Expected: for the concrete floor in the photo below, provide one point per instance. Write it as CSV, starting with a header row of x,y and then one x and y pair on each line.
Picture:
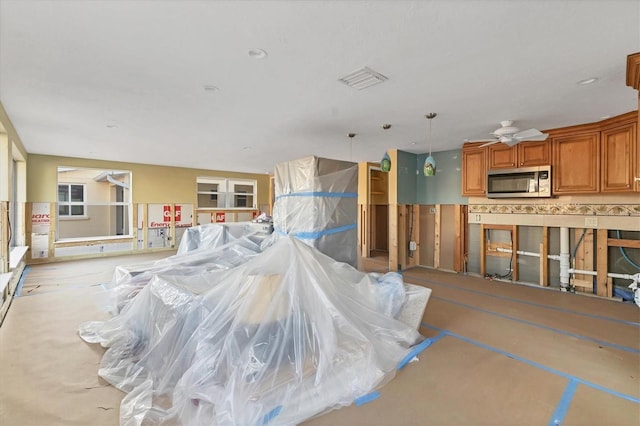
x,y
501,353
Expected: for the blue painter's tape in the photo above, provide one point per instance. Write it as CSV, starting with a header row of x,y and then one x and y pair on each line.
x,y
25,271
320,194
525,302
367,398
563,406
318,234
544,327
417,349
535,364
271,414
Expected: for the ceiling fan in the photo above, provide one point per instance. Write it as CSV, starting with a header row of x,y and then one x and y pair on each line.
x,y
511,135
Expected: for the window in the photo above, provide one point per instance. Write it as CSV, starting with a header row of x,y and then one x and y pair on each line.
x,y
93,203
71,200
228,194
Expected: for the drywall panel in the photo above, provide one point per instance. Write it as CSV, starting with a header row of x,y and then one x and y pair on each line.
x,y
529,239
447,236
473,266
427,234
497,265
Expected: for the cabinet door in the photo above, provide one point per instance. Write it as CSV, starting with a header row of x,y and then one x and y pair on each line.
x,y
536,153
474,172
618,147
502,156
576,165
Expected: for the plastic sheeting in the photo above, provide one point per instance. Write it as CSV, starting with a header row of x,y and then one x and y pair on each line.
x,y
288,334
211,248
213,235
316,201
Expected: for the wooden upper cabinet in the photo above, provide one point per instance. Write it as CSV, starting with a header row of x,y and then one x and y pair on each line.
x,y
502,156
474,171
619,157
524,154
576,165
534,153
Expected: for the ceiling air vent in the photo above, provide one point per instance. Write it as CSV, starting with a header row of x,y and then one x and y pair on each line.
x,y
363,78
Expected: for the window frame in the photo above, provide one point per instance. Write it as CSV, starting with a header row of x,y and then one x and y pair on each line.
x,y
69,204
101,175
226,195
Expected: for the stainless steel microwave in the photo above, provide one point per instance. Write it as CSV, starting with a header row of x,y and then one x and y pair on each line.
x,y
521,182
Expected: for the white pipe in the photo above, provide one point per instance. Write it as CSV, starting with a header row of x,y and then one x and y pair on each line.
x,y
564,258
529,253
610,274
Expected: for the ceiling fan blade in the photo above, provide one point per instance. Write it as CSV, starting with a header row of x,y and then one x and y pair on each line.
x,y
511,141
481,140
525,134
486,144
540,137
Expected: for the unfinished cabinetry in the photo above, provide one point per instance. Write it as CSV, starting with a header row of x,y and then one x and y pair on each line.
x,y
474,170
379,187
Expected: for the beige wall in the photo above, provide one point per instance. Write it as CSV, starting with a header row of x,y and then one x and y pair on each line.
x,y
150,184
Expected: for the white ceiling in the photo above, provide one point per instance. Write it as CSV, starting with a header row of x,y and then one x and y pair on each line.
x,y
124,80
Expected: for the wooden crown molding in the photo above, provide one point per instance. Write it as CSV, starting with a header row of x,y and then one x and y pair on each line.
x,y
633,70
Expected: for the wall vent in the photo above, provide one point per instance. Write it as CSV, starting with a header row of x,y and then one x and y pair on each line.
x,y
363,78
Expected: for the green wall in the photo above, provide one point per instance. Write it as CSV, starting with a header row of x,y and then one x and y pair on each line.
x,y
445,187
406,168
150,184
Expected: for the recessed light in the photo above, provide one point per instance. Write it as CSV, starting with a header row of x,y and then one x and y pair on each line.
x,y
414,143
111,126
588,80
246,148
210,88
604,117
257,53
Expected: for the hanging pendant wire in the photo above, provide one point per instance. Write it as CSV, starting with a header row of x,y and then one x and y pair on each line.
x,y
351,136
430,138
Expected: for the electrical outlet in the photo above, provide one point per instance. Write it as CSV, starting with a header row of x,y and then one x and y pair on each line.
x,y
591,222
412,245
432,210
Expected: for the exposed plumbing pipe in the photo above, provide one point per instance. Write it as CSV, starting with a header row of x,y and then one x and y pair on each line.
x,y
528,253
564,258
610,274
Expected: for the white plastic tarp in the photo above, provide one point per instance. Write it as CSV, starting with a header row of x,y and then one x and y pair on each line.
x,y
316,201
286,335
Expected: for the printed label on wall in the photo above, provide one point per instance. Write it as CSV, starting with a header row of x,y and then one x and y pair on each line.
x,y
40,218
159,215
184,215
220,217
